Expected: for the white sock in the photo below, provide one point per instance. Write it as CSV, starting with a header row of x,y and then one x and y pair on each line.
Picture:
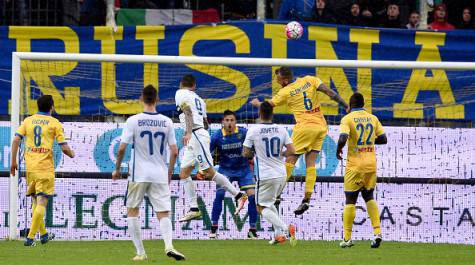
x,y
277,230
190,192
224,182
134,231
166,231
274,219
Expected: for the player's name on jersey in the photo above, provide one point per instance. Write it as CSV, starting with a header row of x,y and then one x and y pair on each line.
x,y
40,122
152,123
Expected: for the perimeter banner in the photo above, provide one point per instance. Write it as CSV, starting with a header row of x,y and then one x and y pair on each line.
x,y
411,152
94,210
110,88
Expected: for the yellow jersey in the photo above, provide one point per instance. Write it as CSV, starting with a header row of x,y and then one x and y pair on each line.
x,y
40,131
302,99
362,129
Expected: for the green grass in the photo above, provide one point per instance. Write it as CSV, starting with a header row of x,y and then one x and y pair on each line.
x,y
237,252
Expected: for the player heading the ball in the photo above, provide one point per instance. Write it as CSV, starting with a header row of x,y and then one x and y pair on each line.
x,y
301,96
193,119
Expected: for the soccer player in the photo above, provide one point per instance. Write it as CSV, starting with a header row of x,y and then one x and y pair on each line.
x,y
268,140
228,144
362,130
149,132
40,131
310,129
196,140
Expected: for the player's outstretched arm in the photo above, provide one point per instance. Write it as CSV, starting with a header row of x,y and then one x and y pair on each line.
x,y
381,139
173,157
13,164
120,156
67,150
334,96
341,143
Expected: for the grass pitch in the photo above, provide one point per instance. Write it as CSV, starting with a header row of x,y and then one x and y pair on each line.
x,y
236,252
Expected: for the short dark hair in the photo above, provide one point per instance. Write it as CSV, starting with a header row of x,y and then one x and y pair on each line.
x,y
415,12
229,112
285,72
188,80
356,100
266,110
149,94
45,103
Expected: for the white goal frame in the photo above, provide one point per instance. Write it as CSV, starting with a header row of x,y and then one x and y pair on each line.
x,y
122,58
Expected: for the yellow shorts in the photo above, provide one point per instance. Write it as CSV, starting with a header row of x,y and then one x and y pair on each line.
x,y
40,183
355,181
308,138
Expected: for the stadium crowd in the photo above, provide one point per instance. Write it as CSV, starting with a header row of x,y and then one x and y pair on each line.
x,y
440,14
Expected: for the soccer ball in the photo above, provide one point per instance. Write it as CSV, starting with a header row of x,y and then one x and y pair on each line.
x,y
293,30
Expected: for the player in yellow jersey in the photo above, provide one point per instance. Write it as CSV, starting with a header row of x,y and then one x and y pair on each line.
x,y
362,130
39,131
302,98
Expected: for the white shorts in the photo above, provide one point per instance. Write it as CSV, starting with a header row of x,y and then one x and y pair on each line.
x,y
197,150
157,193
268,190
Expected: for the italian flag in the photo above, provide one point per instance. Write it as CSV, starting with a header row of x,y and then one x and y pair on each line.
x,y
132,17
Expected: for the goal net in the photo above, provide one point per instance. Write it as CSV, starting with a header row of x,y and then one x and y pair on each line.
x,y
426,171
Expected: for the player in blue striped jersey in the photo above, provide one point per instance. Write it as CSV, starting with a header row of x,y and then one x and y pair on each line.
x,y
227,143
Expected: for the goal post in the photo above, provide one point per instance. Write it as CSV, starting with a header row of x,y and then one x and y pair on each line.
x,y
16,83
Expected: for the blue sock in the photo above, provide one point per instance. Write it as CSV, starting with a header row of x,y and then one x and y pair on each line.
x,y
252,211
217,205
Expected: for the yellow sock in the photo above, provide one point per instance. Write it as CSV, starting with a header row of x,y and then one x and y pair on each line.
x,y
42,224
373,212
349,214
289,168
36,220
310,179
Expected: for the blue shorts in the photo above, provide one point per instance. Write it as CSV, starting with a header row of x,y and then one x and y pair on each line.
x,y
245,181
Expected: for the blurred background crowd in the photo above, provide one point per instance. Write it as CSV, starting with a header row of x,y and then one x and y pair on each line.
x,y
410,14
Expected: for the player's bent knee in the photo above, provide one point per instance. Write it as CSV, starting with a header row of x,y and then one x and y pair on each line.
x,y
351,197
367,195
292,159
209,173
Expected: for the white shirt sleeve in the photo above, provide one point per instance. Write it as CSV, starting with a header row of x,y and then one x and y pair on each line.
x,y
249,141
171,133
127,133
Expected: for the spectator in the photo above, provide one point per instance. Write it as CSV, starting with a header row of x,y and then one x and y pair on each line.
x,y
414,20
467,20
392,20
92,13
243,9
440,19
300,10
355,18
322,14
